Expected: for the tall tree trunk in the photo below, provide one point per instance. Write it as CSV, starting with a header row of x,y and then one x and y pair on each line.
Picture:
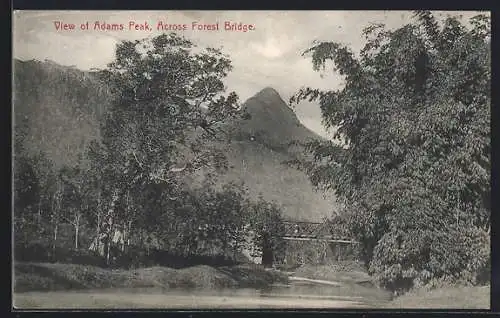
x,y
76,236
40,212
110,219
98,227
25,231
129,232
108,248
141,239
77,229
55,239
55,218
126,227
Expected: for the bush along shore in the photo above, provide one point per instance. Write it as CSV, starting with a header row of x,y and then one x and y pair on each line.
x,y
51,277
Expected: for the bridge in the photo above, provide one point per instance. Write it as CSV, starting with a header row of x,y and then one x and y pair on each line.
x,y
311,231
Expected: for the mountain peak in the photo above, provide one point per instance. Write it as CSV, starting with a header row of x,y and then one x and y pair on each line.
x,y
268,93
269,100
271,120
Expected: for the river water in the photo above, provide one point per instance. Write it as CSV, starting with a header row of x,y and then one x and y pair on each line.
x,y
295,295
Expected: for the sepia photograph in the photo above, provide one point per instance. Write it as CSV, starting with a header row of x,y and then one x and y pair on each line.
x,y
251,159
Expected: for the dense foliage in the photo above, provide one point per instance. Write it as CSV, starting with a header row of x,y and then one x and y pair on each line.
x,y
413,172
212,222
164,90
264,222
127,189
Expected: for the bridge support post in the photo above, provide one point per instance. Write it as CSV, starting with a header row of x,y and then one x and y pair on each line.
x,y
267,257
267,252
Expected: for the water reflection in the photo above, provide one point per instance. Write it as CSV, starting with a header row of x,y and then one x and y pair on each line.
x,y
293,296
295,291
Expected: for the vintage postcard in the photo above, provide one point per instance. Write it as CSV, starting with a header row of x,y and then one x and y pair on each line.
x,y
251,159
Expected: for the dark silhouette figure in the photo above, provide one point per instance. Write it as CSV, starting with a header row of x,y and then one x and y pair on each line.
x,y
267,251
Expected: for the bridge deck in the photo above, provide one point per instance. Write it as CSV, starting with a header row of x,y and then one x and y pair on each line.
x,y
311,231
329,240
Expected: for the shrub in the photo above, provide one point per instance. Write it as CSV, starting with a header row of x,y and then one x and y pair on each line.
x,y
419,258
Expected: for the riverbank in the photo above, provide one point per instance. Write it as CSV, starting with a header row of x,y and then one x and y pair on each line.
x,y
347,272
353,280
44,285
54,277
349,277
452,297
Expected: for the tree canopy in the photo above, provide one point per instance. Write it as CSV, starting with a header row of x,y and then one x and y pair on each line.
x,y
164,90
414,171
167,98
168,101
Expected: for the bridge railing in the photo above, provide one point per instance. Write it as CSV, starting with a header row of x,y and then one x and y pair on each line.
x,y
310,231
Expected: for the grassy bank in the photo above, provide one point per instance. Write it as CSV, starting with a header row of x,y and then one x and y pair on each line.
x,y
50,277
453,297
352,279
355,281
346,272
33,277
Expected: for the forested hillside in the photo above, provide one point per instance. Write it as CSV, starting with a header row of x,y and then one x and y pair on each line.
x,y
114,160
58,111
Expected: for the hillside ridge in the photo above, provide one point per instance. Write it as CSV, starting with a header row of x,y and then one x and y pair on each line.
x,y
60,108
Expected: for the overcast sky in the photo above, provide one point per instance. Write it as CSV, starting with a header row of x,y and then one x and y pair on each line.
x,y
266,56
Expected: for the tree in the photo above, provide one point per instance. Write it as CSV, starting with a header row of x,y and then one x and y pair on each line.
x,y
35,184
168,101
210,222
264,220
95,181
26,190
75,198
413,173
